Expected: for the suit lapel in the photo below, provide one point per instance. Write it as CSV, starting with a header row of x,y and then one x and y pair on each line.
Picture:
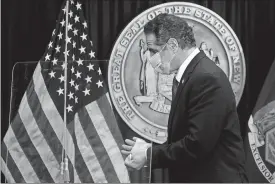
x,y
185,77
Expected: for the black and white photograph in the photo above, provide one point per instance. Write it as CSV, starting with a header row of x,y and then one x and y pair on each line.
x,y
138,91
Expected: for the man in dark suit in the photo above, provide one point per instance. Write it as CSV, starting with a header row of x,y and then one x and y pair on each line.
x,y
204,141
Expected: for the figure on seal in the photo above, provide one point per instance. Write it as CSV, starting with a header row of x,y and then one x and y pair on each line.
x,y
155,87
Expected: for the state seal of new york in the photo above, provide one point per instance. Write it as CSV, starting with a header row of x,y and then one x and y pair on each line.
x,y
142,96
262,140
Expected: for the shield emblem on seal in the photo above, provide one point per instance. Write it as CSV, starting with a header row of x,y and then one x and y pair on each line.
x,y
270,147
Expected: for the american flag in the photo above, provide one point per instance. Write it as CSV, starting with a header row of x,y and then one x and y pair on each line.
x,y
75,93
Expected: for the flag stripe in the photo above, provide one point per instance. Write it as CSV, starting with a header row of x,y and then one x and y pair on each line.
x,y
51,113
18,154
29,149
107,112
108,140
81,168
72,171
7,172
36,136
75,179
81,172
9,163
43,123
97,146
110,118
88,153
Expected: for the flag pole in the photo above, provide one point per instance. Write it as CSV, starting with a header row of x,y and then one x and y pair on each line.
x,y
64,163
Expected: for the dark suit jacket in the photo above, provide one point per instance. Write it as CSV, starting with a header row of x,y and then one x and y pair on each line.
x,y
204,139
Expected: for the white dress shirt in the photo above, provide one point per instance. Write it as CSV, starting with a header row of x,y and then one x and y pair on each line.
x,y
186,63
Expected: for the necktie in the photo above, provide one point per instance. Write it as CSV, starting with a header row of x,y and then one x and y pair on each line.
x,y
174,87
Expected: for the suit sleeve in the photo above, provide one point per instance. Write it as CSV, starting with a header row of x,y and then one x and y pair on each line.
x,y
208,107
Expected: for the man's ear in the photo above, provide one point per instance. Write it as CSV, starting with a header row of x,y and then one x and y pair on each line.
x,y
173,44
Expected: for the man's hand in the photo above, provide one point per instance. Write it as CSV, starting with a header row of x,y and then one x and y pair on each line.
x,y
136,151
128,146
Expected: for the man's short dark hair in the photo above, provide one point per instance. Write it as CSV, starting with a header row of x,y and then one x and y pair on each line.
x,y
166,26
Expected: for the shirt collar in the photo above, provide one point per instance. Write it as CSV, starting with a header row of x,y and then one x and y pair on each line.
x,y
186,63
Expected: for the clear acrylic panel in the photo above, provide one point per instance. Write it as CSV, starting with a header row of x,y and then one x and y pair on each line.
x,y
22,75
